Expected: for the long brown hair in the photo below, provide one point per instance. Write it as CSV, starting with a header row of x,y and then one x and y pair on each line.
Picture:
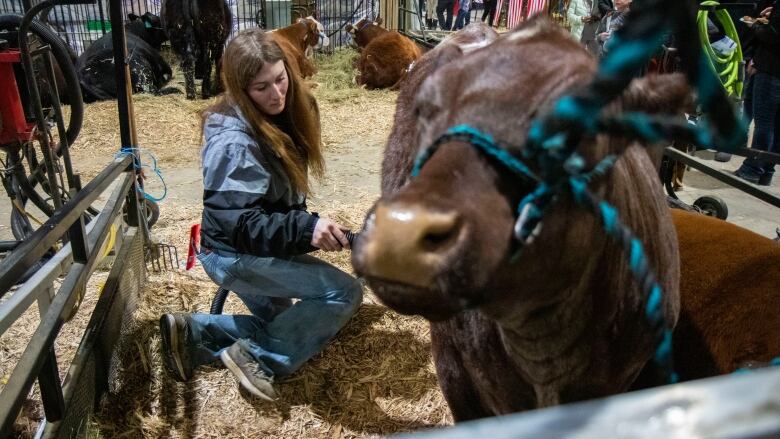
x,y
300,148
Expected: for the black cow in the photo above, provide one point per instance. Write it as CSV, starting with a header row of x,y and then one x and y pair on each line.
x,y
149,72
198,30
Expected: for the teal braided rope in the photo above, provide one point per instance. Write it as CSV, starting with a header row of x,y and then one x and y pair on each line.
x,y
533,206
640,269
483,142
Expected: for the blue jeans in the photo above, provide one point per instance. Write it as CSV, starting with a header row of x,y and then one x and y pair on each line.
x,y
463,19
765,96
279,335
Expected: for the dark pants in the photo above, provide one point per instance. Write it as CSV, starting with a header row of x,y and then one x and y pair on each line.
x,y
490,11
765,111
440,9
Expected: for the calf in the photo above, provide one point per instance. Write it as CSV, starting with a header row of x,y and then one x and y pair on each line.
x,y
566,320
198,30
385,60
298,41
364,31
149,72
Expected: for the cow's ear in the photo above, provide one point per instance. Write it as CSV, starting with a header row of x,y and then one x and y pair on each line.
x,y
655,94
378,21
132,17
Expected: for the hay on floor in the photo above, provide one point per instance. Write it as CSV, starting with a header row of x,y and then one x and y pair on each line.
x,y
376,378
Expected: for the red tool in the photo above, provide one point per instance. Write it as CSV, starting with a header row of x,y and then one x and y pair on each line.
x,y
14,128
194,246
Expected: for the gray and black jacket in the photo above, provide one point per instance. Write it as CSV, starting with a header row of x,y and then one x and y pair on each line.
x,y
249,205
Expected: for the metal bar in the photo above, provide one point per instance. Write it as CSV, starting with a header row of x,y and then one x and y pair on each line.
x,y
95,325
722,176
78,241
35,95
64,147
32,359
16,263
122,76
39,284
732,406
36,286
51,387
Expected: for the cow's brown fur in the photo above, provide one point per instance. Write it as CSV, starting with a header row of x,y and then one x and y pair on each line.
x,y
384,61
730,297
364,31
566,322
294,40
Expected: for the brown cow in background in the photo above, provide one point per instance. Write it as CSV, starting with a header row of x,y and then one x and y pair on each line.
x,y
298,41
364,31
730,297
564,323
384,61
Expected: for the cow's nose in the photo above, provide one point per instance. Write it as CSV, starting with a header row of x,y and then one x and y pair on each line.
x,y
408,243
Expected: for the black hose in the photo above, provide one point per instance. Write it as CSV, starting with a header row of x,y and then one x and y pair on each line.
x,y
219,301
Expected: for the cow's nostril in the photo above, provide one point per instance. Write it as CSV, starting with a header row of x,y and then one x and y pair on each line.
x,y
435,240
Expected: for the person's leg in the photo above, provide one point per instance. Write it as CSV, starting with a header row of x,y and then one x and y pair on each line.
x,y
192,340
459,20
328,298
766,103
468,18
440,8
769,168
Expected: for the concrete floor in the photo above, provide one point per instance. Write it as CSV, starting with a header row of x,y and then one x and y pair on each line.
x,y
744,210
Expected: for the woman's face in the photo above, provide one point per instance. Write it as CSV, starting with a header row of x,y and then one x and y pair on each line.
x,y
268,89
622,4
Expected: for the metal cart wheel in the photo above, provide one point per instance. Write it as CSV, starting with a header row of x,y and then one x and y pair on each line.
x,y
712,206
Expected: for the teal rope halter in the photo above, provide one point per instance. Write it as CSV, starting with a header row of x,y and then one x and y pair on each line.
x,y
532,207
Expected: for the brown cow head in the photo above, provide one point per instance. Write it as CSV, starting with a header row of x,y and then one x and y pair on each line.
x,y
315,36
443,242
365,30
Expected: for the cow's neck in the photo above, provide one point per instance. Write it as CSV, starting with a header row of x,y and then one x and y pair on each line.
x,y
557,343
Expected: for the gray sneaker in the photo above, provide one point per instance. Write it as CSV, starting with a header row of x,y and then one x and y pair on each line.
x,y
248,372
173,330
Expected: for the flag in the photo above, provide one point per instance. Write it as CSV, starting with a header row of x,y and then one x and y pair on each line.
x,y
515,14
536,7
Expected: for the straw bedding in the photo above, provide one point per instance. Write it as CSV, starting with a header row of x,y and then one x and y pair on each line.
x,y
375,378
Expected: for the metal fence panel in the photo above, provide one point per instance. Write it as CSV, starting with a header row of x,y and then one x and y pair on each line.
x,y
80,25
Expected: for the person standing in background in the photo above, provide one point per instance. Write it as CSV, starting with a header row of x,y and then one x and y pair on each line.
x,y
442,7
463,14
576,14
588,38
489,12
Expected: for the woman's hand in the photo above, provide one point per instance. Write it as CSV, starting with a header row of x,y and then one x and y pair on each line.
x,y
329,236
766,12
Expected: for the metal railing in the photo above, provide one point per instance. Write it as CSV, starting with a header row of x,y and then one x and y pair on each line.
x,y
80,25
39,360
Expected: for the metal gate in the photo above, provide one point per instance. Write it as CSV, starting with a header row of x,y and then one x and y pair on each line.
x,y
80,25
